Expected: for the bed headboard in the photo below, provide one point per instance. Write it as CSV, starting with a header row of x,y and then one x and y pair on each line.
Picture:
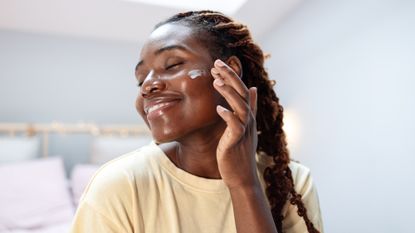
x,y
44,130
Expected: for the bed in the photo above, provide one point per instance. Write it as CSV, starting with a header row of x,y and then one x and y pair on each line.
x,y
36,194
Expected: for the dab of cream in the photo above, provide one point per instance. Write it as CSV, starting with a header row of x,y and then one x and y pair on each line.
x,y
195,73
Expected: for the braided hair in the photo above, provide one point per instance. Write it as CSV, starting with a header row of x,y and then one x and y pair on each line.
x,y
225,38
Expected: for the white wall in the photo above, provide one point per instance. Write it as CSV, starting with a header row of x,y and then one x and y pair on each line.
x,y
345,71
46,78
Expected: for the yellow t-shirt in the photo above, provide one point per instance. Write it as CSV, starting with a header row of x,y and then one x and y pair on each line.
x,y
144,192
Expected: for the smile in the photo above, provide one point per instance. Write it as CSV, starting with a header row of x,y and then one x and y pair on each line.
x,y
156,107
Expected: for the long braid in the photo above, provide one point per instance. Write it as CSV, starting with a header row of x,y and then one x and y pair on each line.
x,y
226,37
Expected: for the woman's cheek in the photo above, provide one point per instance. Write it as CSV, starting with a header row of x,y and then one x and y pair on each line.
x,y
139,107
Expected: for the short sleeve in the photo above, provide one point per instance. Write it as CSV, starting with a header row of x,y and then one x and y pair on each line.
x,y
304,185
108,203
88,219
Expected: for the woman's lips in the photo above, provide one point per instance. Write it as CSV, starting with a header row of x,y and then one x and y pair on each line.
x,y
157,109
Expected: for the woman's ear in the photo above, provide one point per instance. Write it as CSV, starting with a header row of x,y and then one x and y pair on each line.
x,y
235,64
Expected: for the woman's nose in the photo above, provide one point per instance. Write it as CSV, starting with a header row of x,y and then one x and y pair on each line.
x,y
152,84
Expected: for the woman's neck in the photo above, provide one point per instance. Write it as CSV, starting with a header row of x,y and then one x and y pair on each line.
x,y
195,154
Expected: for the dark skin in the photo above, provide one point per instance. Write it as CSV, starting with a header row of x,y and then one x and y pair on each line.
x,y
206,125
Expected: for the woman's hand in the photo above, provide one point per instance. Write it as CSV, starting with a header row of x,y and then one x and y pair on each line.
x,y
236,152
237,146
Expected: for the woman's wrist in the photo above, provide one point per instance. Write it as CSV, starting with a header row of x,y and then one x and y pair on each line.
x,y
246,187
251,209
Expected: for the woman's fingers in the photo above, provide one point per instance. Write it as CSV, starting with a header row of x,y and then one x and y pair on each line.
x,y
222,70
253,95
235,129
235,101
230,86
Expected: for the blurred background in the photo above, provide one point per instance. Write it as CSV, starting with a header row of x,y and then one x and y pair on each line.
x,y
345,73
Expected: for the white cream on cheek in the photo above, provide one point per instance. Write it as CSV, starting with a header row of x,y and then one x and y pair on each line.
x,y
195,73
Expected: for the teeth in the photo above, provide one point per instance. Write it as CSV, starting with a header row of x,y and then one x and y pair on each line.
x,y
155,107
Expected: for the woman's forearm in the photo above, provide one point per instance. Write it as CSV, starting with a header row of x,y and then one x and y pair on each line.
x,y
251,210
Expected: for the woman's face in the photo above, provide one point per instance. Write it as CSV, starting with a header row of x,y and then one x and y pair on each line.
x,y
173,102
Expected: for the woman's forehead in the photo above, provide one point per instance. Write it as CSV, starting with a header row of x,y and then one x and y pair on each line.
x,y
172,35
171,29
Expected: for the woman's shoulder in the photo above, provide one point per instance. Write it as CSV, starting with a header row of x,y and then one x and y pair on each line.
x,y
300,173
116,176
303,185
301,176
111,195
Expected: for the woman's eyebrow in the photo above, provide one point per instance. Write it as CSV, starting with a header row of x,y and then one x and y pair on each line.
x,y
164,49
170,47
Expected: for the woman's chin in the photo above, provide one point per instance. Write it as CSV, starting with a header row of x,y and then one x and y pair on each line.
x,y
157,141
163,138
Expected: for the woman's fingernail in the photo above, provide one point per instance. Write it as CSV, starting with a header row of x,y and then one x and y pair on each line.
x,y
218,82
220,63
220,108
215,71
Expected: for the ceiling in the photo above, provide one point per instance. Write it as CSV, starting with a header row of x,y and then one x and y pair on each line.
x,y
120,20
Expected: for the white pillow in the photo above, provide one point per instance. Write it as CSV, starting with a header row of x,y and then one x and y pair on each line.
x,y
34,194
57,228
105,149
14,149
81,174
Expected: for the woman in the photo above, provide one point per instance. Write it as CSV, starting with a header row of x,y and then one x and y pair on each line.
x,y
219,162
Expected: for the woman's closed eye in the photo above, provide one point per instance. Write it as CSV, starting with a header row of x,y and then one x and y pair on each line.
x,y
170,67
174,65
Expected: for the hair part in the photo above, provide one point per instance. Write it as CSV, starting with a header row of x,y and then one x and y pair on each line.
x,y
226,37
